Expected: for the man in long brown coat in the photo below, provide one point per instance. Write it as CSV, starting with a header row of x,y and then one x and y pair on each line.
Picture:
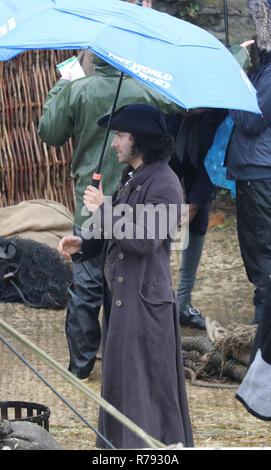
x,y
143,373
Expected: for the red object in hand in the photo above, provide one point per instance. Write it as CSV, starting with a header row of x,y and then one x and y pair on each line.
x,y
96,180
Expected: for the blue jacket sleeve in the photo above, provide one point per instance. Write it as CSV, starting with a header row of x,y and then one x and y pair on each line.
x,y
251,123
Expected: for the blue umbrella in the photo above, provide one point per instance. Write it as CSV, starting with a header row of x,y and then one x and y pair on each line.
x,y
176,58
14,13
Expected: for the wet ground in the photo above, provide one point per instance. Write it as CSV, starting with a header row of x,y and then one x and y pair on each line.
x,y
218,419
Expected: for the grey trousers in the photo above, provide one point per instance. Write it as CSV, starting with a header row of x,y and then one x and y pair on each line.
x,y
188,270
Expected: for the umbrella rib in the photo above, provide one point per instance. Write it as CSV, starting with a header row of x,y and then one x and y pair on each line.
x,y
137,33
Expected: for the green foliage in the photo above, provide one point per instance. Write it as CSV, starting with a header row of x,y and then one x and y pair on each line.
x,y
229,223
224,192
190,11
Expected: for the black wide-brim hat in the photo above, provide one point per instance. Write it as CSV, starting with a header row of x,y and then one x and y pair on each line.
x,y
139,119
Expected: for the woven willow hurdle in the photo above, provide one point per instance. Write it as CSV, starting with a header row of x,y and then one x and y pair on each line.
x,y
30,169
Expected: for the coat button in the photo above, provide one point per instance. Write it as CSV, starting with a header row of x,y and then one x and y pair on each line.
x,y
120,279
118,303
121,255
138,188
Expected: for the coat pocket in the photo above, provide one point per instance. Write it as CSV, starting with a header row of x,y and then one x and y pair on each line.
x,y
157,293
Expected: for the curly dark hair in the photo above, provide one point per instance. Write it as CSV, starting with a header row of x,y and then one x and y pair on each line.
x,y
153,148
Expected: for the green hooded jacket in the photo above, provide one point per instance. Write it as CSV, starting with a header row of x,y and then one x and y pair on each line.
x,y
72,109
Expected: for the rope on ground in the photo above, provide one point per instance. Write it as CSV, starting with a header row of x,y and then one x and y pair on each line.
x,y
200,383
152,443
222,353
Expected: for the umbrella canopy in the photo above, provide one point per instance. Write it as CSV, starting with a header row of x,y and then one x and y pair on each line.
x,y
178,59
14,13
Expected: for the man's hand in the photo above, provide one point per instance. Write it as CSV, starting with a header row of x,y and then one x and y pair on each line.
x,y
193,209
245,44
69,246
93,198
189,214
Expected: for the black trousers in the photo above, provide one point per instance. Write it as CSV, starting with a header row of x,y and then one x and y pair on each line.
x,y
82,323
199,224
253,206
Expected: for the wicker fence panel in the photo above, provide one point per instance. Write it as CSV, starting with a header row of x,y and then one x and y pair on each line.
x,y
29,168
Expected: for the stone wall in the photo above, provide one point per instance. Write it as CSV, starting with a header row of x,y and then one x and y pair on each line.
x,y
210,15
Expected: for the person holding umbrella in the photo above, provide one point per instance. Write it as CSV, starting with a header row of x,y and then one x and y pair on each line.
x,y
72,109
143,374
248,162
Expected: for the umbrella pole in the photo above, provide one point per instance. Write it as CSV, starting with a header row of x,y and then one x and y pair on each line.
x,y
226,24
97,176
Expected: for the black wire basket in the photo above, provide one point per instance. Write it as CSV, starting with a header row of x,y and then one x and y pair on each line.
x,y
25,411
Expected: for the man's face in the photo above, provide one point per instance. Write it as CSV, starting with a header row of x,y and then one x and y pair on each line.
x,y
123,144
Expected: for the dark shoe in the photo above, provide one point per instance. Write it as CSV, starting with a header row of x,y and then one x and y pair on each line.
x,y
192,317
88,379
